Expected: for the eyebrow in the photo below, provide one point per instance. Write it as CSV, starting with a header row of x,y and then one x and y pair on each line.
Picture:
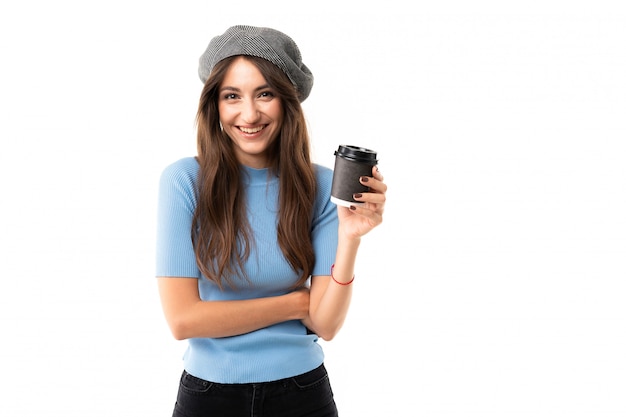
x,y
237,90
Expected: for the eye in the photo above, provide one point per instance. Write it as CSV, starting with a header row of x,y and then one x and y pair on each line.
x,y
230,96
267,94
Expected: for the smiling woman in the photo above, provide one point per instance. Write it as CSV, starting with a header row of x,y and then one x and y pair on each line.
x,y
254,262
250,111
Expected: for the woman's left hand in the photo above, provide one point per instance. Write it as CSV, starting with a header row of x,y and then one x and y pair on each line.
x,y
357,220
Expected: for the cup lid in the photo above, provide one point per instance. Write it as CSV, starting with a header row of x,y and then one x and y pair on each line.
x,y
357,153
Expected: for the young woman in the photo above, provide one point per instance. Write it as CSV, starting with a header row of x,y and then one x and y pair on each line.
x,y
254,263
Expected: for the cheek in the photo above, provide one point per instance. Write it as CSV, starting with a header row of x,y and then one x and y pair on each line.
x,y
222,113
226,113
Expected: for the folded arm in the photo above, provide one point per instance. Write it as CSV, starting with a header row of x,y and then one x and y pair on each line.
x,y
189,316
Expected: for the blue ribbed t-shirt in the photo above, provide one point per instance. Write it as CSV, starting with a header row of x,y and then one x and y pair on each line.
x,y
275,352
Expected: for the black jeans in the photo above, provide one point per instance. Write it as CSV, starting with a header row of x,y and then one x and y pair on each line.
x,y
306,395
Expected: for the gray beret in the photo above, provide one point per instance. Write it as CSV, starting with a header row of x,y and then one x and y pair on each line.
x,y
266,43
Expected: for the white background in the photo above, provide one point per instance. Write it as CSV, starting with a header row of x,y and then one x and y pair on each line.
x,y
495,286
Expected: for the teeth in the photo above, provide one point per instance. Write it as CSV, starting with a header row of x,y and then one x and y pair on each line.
x,y
253,130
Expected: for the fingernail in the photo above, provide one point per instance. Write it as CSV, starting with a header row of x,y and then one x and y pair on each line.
x,y
357,195
364,179
352,208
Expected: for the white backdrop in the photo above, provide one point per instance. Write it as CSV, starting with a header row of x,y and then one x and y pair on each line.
x,y
495,286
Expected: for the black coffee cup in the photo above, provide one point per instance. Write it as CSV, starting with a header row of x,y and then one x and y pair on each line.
x,y
351,163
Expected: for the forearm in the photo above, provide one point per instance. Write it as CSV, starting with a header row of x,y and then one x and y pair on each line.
x,y
330,300
188,316
231,318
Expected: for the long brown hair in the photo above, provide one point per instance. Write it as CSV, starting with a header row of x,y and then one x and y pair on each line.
x,y
220,232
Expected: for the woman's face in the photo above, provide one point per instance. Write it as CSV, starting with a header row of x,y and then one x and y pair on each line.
x,y
250,112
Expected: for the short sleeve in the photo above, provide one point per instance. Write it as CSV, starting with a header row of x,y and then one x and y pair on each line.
x,y
175,256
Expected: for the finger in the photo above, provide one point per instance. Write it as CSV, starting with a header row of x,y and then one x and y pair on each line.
x,y
374,184
377,174
375,217
374,198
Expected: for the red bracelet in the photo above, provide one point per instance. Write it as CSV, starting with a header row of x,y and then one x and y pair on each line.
x,y
340,283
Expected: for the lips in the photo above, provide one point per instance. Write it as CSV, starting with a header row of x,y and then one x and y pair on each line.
x,y
251,130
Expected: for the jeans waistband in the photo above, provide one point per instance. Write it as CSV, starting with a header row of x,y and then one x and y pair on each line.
x,y
314,374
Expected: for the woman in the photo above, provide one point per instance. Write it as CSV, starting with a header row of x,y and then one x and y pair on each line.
x,y
253,261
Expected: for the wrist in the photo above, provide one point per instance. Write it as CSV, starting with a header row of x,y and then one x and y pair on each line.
x,y
299,303
340,282
348,239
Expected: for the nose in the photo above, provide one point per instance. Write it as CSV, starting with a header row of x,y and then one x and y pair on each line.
x,y
250,112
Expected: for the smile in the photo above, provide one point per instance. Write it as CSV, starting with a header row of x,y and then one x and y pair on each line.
x,y
252,129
